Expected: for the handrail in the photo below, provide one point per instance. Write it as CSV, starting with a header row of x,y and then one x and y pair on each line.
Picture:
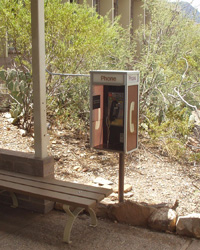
x,y
64,74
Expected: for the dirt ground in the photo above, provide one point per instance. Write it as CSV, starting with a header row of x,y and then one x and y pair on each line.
x,y
155,179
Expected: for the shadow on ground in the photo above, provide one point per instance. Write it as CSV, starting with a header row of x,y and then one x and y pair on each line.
x,y
21,229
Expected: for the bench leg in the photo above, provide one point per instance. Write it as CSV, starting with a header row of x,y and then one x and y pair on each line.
x,y
93,217
14,198
72,216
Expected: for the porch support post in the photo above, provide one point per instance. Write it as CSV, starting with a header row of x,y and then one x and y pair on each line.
x,y
39,85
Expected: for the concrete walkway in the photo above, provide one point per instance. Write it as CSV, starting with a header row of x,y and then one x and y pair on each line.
x,y
24,230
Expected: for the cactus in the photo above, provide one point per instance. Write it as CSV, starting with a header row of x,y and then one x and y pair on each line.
x,y
20,91
3,75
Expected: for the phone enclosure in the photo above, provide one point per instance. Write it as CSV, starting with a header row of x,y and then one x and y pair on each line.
x,y
114,110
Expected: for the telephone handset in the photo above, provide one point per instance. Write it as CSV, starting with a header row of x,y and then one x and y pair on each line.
x,y
97,123
131,124
114,110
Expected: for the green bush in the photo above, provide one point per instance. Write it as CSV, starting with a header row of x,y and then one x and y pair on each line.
x,y
77,40
171,134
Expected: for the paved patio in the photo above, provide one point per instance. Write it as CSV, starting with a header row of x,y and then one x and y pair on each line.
x,y
21,229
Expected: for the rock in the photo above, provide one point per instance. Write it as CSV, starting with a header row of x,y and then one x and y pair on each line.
x,y
128,195
114,197
102,181
163,219
85,170
127,188
193,143
172,205
11,120
102,210
58,206
194,117
175,205
77,168
189,225
131,213
7,115
23,132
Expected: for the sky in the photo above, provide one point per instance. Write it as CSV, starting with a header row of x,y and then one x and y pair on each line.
x,y
194,3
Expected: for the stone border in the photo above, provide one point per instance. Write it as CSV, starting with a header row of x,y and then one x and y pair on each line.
x,y
157,217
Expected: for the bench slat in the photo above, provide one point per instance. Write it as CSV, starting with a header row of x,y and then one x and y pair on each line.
x,y
50,187
99,190
46,194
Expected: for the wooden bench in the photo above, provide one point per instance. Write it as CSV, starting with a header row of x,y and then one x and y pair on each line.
x,y
74,197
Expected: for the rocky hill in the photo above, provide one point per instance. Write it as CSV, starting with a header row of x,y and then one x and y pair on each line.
x,y
190,11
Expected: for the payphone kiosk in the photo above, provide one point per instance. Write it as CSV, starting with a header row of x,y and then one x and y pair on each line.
x,y
114,110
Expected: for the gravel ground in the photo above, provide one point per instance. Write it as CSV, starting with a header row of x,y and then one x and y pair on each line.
x,y
154,179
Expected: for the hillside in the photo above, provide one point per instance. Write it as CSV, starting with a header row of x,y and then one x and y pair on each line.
x,y
190,11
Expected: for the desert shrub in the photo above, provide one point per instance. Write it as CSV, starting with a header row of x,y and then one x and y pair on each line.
x,y
171,134
169,64
77,40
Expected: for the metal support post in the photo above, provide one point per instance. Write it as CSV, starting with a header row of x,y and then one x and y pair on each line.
x,y
121,177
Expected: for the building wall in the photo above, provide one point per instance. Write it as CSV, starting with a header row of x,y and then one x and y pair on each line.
x,y
131,11
124,11
138,14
